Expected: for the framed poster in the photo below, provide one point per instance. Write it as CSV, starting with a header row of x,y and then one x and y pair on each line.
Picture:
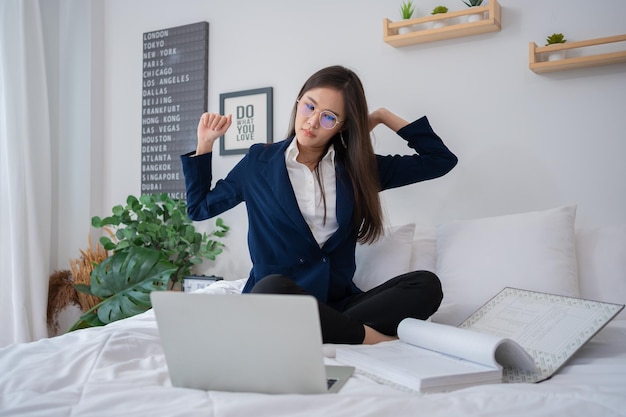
x,y
252,119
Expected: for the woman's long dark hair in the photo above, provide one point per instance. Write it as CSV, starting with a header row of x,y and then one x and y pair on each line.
x,y
353,147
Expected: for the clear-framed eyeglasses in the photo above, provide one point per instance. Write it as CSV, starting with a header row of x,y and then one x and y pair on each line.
x,y
328,119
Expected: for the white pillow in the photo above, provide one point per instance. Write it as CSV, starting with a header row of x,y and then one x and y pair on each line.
x,y
424,250
478,258
384,259
602,263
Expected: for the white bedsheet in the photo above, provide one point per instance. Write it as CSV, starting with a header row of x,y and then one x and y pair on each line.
x,y
120,370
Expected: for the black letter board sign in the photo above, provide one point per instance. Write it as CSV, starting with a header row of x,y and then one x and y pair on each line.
x,y
175,78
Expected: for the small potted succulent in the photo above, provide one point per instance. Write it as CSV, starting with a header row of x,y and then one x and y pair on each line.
x,y
439,10
406,11
476,16
554,39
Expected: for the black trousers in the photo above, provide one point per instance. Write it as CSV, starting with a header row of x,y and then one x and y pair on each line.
x,y
415,294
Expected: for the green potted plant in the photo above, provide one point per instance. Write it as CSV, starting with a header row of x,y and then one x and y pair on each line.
x,y
439,10
153,245
554,39
475,17
406,11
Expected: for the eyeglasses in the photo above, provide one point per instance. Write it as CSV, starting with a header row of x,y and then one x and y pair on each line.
x,y
328,119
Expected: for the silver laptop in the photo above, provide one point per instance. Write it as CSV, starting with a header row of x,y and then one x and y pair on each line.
x,y
245,343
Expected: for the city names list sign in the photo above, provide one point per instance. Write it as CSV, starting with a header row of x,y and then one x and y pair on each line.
x,y
174,96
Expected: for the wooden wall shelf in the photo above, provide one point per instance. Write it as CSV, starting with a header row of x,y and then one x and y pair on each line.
x,y
423,33
538,66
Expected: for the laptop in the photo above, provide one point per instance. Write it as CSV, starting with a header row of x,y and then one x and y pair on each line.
x,y
245,343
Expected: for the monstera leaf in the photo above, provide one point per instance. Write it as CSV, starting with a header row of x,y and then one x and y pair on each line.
x,y
124,281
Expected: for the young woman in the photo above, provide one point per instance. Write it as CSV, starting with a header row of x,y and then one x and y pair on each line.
x,y
312,196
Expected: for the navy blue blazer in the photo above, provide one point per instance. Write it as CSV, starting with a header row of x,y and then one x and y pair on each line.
x,y
279,239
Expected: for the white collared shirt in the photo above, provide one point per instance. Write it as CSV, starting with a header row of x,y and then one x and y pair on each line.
x,y
309,193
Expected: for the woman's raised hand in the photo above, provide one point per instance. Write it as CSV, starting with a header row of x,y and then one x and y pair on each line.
x,y
210,127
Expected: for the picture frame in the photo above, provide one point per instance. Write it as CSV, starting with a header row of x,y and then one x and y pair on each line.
x,y
252,119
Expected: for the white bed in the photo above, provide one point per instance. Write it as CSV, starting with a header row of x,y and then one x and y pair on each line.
x,y
120,369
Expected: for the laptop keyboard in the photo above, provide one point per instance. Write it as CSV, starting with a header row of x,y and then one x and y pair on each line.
x,y
330,382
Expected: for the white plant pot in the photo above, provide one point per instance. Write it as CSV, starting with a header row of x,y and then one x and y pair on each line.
x,y
439,24
474,17
405,29
557,55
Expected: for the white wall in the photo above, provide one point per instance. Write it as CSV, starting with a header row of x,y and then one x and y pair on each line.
x,y
525,141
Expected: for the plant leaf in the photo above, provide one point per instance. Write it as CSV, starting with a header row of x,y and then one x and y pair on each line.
x,y
89,319
126,279
84,288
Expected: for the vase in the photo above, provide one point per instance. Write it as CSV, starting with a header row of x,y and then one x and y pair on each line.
x,y
438,24
557,55
475,17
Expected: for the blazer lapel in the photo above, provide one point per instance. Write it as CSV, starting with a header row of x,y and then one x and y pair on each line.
x,y
277,178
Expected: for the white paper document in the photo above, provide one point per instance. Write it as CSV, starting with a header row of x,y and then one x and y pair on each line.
x,y
433,357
